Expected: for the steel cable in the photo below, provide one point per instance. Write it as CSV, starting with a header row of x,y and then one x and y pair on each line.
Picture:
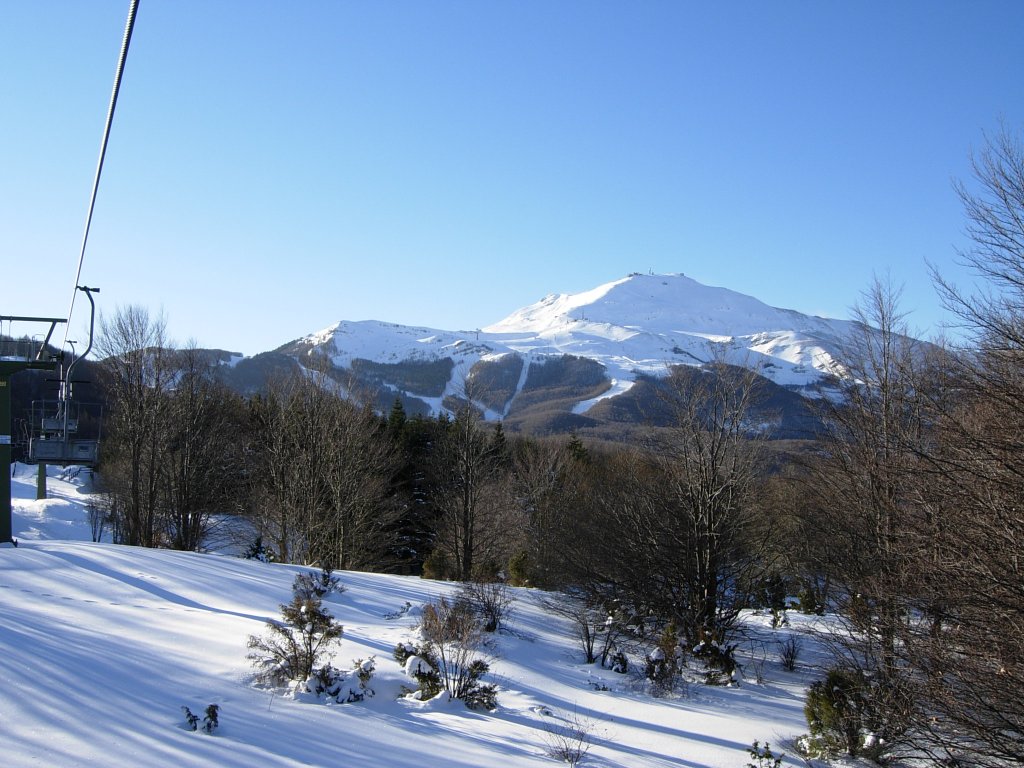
x,y
129,25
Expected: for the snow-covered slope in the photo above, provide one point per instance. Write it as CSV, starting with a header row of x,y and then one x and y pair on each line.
x,y
101,646
641,324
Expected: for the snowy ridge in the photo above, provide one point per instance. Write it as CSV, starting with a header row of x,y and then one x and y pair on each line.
x,y
638,324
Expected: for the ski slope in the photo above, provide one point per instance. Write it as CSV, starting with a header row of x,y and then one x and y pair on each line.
x,y
101,646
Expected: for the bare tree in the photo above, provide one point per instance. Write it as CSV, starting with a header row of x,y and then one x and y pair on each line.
x,y
973,657
928,482
467,493
547,481
360,462
675,532
134,351
290,465
323,477
201,466
871,485
706,534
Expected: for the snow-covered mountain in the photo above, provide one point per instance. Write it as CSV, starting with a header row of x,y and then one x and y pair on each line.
x,y
585,349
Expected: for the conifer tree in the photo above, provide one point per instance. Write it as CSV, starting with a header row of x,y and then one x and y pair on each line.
x,y
292,647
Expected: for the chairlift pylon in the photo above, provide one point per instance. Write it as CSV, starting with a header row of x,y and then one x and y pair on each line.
x,y
14,358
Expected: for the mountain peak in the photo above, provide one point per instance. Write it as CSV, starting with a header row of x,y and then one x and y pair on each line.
x,y
668,303
583,349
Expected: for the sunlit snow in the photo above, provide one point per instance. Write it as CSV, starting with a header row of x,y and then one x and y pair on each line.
x,y
101,646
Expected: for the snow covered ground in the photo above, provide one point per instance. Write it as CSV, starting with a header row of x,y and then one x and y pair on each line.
x,y
101,646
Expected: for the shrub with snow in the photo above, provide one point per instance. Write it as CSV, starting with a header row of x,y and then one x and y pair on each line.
x,y
363,669
719,662
292,648
446,659
619,663
421,666
210,720
319,584
258,550
763,757
661,665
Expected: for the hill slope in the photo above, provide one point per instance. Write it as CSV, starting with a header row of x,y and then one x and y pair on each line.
x,y
103,644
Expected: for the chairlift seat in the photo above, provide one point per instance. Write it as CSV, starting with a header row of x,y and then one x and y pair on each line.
x,y
59,451
56,424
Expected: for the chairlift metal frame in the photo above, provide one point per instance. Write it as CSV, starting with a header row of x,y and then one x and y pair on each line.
x,y
52,442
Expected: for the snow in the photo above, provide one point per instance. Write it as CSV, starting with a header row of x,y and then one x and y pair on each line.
x,y
617,388
640,324
102,645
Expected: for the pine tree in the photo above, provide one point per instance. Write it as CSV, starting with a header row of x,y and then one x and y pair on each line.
x,y
292,648
396,418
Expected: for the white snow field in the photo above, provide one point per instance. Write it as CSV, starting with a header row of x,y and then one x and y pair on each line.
x,y
101,646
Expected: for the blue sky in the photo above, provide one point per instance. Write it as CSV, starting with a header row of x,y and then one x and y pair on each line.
x,y
277,166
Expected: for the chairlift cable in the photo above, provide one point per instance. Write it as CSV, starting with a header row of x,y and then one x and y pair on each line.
x,y
129,25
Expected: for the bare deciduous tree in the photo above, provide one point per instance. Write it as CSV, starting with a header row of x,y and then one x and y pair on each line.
x,y
201,456
289,464
358,528
973,658
133,347
468,494
324,471
675,532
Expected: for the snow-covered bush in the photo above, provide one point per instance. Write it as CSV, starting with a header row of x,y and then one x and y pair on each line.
x,y
403,651
661,665
779,618
291,649
258,550
719,662
329,683
210,721
447,657
403,611
763,757
363,669
421,666
318,585
325,681
658,670
619,663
